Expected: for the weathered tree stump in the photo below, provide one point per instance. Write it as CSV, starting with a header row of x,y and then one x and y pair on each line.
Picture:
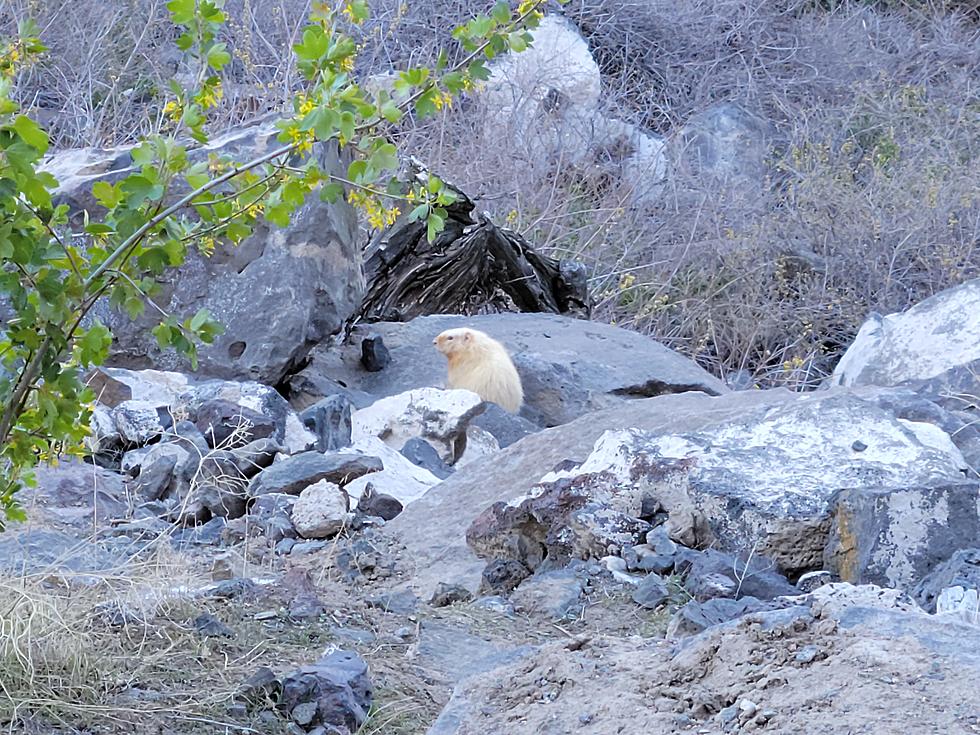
x,y
472,267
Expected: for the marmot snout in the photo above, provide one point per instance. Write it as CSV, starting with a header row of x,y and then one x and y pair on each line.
x,y
479,363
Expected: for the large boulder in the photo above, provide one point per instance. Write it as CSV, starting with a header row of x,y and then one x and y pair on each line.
x,y
894,536
433,528
748,472
277,293
568,367
546,100
75,494
934,347
758,484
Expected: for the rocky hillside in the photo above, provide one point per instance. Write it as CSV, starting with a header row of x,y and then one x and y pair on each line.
x,y
380,555
735,265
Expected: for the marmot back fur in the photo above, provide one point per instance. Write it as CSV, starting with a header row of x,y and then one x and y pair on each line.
x,y
479,363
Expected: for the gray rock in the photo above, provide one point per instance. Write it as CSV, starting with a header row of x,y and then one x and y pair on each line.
x,y
695,616
651,592
53,552
713,573
559,523
330,422
433,528
205,534
933,346
339,686
400,602
507,428
76,494
293,474
140,422
377,504
502,575
218,419
449,594
708,586
320,511
814,580
261,688
568,367
419,452
225,500
556,593
894,537
962,569
300,548
277,293
209,626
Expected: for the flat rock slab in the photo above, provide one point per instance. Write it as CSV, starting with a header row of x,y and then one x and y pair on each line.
x,y
568,367
296,473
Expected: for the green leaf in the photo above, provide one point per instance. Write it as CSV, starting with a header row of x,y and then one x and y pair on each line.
x,y
31,133
106,194
97,228
331,192
200,319
140,189
181,11
501,12
163,334
391,112
218,56
435,225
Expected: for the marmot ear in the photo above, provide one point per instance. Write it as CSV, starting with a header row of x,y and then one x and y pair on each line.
x,y
467,336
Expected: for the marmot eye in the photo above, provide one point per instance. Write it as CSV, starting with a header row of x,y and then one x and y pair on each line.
x,y
449,338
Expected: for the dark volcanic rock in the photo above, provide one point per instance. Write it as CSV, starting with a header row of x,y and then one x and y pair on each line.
x,y
219,419
962,569
294,474
504,426
651,592
330,422
419,452
277,293
894,537
696,616
373,503
374,354
339,686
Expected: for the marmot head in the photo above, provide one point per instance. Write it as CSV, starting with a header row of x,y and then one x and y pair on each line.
x,y
454,340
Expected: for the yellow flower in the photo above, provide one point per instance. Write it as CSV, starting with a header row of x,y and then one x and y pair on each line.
x,y
303,139
173,110
306,104
443,99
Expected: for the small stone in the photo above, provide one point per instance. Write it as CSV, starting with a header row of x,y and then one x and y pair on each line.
x,y
708,586
503,575
260,688
651,592
585,718
237,710
405,632
330,421
284,546
306,547
400,603
374,354
806,655
304,713
320,510
812,580
210,627
495,603
373,503
728,714
448,594
859,446
419,452
747,708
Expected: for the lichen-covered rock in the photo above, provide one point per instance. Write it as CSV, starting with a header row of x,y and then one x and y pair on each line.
x,y
438,416
962,570
935,346
894,537
396,477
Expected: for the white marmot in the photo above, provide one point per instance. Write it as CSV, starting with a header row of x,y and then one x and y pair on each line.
x,y
479,363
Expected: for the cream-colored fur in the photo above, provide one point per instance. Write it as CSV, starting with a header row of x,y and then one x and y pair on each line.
x,y
479,363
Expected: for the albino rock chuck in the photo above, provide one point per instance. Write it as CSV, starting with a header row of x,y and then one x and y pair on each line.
x,y
479,363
